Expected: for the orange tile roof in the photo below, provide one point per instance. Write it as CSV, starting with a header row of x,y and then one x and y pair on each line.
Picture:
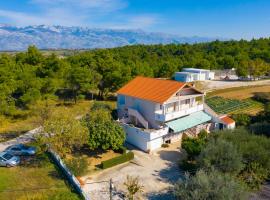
x,y
227,120
151,89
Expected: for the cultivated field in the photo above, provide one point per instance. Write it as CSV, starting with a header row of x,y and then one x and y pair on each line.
x,y
236,100
234,106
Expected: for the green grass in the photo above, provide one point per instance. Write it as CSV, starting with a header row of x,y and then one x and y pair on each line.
x,y
37,178
233,106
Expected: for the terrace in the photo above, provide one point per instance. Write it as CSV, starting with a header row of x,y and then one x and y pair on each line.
x,y
179,106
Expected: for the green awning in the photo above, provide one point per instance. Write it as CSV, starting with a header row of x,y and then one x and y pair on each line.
x,y
189,121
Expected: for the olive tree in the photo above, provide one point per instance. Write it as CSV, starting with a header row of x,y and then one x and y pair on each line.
x,y
221,155
209,185
64,133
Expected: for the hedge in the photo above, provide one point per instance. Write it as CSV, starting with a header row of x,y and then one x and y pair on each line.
x,y
117,160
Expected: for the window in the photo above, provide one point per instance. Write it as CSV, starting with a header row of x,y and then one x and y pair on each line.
x,y
187,101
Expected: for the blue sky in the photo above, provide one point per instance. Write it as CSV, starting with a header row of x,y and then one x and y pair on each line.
x,y
213,18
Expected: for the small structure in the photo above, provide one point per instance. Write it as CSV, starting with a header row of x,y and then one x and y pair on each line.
x,y
193,74
155,111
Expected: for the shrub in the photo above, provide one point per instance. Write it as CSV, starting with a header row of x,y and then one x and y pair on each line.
x,y
211,185
165,145
122,150
261,128
221,155
117,160
193,146
241,119
262,96
100,105
188,166
78,166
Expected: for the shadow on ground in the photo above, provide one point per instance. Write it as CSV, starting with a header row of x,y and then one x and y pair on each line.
x,y
168,195
171,173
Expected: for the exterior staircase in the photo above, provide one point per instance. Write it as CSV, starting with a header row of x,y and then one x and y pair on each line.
x,y
138,116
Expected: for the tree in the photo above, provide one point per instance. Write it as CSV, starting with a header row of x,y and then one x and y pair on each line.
x,y
222,156
193,146
241,119
104,133
81,79
64,133
133,186
212,185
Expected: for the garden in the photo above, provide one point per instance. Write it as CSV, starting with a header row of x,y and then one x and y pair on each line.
x,y
223,105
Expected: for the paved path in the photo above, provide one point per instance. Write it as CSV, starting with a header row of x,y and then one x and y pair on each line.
x,y
25,138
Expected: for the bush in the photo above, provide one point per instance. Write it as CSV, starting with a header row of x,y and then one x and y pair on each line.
x,y
222,155
122,150
193,146
241,119
78,166
189,166
165,145
261,128
117,160
211,185
262,96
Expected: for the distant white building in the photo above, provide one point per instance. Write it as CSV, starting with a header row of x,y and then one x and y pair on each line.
x,y
193,74
155,111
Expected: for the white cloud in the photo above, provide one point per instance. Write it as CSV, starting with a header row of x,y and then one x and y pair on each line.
x,y
94,13
141,21
104,5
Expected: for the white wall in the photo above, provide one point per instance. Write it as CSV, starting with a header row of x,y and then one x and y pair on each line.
x,y
145,140
145,108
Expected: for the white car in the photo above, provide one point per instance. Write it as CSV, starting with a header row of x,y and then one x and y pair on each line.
x,y
8,160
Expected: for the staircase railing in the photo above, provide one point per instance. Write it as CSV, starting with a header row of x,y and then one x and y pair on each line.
x,y
138,116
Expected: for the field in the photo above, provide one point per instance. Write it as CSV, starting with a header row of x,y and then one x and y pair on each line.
x,y
240,92
37,178
233,106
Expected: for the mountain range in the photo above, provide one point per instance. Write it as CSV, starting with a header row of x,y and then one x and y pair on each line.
x,y
13,38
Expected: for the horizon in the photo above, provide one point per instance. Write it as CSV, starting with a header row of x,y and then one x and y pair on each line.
x,y
243,19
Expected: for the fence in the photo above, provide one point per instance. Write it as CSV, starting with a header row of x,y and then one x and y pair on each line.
x,y
71,178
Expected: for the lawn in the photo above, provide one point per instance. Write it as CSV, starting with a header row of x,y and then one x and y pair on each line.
x,y
94,158
37,178
223,105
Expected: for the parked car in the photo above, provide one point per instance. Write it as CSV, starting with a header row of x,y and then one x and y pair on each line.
x,y
21,150
8,160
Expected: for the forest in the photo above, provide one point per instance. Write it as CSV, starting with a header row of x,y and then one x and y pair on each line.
x,y
30,76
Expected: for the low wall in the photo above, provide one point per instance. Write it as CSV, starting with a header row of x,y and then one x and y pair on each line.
x,y
71,178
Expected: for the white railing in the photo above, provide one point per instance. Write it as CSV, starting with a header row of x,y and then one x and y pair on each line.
x,y
159,116
135,113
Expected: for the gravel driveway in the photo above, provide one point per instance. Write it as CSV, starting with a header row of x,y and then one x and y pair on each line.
x,y
157,172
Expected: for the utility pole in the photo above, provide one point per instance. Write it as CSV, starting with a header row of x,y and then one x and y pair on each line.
x,y
111,189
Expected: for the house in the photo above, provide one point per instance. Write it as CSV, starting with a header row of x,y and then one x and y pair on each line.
x,y
193,74
156,111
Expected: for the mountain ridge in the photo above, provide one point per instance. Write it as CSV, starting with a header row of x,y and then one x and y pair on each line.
x,y
15,38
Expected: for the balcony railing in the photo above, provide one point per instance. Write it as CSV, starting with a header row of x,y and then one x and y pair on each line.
x,y
159,116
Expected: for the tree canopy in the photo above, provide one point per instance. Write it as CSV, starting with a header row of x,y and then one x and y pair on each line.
x,y
29,76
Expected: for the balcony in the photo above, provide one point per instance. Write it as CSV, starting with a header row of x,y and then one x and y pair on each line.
x,y
159,116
